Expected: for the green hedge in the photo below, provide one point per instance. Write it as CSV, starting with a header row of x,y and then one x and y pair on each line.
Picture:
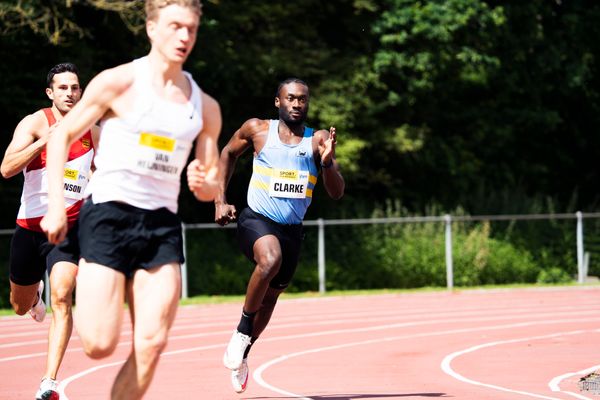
x,y
391,255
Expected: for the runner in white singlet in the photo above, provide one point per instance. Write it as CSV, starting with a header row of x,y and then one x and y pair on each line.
x,y
152,113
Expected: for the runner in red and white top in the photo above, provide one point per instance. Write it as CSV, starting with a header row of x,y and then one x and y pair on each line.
x,y
34,200
31,254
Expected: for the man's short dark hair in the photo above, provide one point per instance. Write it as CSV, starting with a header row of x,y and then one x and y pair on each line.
x,y
59,69
289,80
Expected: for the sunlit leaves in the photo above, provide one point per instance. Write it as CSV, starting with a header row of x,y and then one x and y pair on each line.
x,y
56,20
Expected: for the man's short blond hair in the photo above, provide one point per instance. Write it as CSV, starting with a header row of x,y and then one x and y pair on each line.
x,y
152,6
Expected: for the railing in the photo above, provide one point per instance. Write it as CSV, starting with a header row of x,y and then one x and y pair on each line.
x,y
321,224
582,256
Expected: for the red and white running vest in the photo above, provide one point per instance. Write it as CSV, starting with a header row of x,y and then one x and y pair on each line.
x,y
34,199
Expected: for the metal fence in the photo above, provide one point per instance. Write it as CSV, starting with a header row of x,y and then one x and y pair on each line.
x,y
321,224
448,220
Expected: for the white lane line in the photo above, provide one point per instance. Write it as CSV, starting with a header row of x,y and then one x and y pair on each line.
x,y
576,395
72,378
28,325
260,370
446,367
329,332
257,375
23,344
281,325
23,357
335,332
554,384
65,382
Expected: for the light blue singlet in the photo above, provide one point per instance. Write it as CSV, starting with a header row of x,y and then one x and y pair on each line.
x,y
283,178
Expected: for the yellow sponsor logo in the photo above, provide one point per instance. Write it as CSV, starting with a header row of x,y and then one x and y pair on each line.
x,y
157,142
85,143
287,174
71,174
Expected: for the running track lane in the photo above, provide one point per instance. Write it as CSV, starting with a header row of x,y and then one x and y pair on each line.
x,y
499,344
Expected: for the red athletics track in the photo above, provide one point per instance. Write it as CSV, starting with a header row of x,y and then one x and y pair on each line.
x,y
499,344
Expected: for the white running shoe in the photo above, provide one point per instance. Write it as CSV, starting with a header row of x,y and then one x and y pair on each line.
x,y
38,311
234,354
239,377
48,390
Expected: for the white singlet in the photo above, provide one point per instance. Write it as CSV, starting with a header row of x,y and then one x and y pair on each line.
x,y
141,155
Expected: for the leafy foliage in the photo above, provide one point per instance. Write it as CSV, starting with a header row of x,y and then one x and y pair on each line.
x,y
481,97
481,105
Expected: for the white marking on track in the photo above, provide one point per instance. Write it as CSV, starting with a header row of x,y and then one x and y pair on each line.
x,y
445,365
554,384
257,375
456,320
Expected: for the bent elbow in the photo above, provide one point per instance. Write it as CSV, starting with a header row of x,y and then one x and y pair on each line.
x,y
6,172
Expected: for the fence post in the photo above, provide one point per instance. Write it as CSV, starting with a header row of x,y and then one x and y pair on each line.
x,y
321,255
449,266
580,271
184,283
47,289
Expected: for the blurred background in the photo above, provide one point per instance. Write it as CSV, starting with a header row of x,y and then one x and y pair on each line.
x,y
462,107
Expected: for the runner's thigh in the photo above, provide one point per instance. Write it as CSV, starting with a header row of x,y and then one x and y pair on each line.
x,y
99,302
154,297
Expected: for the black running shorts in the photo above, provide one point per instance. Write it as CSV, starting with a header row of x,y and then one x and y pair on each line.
x,y
28,251
126,238
31,254
251,226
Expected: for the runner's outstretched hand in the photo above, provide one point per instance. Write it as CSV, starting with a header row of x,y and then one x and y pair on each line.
x,y
327,147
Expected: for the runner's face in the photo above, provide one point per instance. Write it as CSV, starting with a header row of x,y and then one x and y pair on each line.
x,y
293,103
65,91
173,32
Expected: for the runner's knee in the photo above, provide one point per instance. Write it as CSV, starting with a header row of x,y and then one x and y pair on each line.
x,y
98,347
62,298
268,263
21,304
19,308
148,350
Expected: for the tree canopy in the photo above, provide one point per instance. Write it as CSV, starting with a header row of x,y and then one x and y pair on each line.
x,y
453,102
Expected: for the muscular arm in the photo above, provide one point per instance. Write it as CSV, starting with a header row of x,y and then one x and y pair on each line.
x,y
96,101
332,178
334,181
242,139
29,139
202,171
